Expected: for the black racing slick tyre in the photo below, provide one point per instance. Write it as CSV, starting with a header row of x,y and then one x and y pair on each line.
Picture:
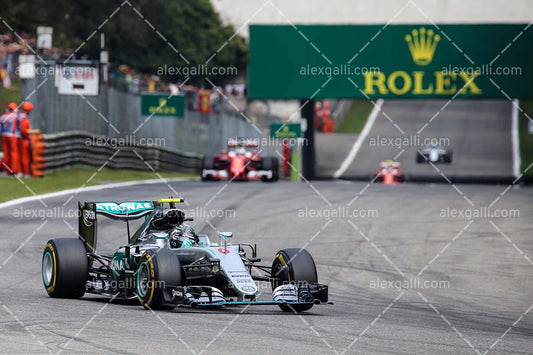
x,y
158,269
295,266
420,158
271,164
448,157
208,163
65,268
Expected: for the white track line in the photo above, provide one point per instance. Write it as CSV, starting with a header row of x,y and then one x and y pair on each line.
x,y
85,189
357,145
517,161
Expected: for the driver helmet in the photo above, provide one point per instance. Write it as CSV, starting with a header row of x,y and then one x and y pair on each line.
x,y
183,236
187,231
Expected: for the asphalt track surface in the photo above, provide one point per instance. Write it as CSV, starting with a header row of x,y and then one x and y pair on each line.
x,y
477,131
486,263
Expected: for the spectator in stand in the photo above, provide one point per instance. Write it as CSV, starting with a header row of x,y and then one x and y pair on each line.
x,y
4,78
204,98
135,83
215,100
129,81
174,89
151,83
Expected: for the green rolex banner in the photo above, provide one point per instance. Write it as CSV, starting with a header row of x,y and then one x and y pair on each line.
x,y
395,61
162,104
283,130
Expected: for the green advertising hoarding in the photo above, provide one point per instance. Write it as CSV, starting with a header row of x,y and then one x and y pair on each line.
x,y
283,130
162,104
394,61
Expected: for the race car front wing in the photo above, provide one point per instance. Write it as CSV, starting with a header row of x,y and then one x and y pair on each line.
x,y
223,174
206,296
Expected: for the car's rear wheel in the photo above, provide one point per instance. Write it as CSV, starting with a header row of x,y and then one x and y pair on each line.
x,y
271,164
158,269
293,266
65,268
420,158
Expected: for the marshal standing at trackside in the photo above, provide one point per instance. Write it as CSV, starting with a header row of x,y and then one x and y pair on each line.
x,y
16,144
8,123
23,138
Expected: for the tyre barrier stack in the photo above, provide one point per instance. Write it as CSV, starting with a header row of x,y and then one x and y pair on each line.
x,y
37,154
77,148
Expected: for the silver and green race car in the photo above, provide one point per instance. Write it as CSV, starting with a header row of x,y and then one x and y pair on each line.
x,y
165,264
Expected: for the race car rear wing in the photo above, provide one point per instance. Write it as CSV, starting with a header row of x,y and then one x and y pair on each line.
x,y
128,210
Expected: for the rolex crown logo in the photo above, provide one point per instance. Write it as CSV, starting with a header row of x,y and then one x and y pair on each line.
x,y
422,45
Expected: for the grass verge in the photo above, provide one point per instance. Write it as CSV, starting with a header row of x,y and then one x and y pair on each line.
x,y
12,94
73,178
355,118
526,138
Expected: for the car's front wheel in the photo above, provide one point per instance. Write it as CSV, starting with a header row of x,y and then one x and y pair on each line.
x,y
158,269
293,266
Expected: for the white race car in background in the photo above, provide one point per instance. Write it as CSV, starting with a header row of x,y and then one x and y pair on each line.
x,y
435,154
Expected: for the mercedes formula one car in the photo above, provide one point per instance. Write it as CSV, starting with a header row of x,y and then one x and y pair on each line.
x,y
389,173
165,264
435,154
241,161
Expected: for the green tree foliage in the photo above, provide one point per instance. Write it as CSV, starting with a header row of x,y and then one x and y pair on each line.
x,y
191,28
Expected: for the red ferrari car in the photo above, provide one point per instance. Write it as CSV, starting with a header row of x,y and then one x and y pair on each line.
x,y
241,161
389,173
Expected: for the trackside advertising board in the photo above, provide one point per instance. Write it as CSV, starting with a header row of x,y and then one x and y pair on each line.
x,y
284,130
162,104
395,61
77,80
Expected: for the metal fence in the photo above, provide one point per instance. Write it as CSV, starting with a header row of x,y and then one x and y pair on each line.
x,y
114,113
67,149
